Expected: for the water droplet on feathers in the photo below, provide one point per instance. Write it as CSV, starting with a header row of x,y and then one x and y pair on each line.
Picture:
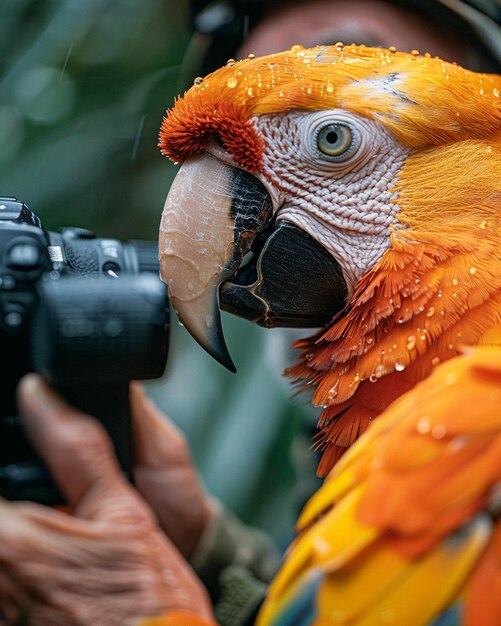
x,y
411,342
423,426
380,371
450,379
232,82
332,394
438,432
458,443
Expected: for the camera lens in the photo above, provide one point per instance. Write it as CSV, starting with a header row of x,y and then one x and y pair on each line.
x,y
88,329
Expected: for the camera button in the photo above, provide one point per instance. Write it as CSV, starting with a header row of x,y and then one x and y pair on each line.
x,y
13,319
23,256
111,269
78,233
7,282
13,316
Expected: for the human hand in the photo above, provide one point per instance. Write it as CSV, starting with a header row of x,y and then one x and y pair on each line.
x,y
110,564
165,475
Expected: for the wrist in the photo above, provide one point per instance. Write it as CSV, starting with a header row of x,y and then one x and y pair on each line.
x,y
191,540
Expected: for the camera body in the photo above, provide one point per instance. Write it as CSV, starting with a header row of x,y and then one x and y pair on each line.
x,y
88,314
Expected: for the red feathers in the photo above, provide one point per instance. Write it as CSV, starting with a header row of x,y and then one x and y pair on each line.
x,y
187,128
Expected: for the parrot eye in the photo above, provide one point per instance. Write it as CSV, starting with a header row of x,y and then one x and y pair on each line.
x,y
335,140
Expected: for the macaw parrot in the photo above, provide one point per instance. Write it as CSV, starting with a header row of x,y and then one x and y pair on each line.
x,y
358,190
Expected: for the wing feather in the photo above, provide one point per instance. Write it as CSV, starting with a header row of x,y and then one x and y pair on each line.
x,y
397,530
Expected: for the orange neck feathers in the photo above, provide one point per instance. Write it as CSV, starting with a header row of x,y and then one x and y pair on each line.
x,y
435,290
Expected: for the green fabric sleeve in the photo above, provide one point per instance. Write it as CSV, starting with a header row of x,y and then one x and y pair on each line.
x,y
236,564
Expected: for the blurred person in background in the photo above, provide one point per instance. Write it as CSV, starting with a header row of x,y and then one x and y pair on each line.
x,y
55,569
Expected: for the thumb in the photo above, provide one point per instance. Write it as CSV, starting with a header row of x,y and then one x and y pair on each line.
x,y
74,446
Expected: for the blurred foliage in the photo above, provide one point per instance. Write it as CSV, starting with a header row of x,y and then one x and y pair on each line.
x,y
83,87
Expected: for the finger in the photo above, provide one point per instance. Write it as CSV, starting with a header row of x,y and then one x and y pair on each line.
x,y
71,568
75,447
159,443
13,599
165,475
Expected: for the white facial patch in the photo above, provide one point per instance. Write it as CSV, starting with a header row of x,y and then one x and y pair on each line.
x,y
345,201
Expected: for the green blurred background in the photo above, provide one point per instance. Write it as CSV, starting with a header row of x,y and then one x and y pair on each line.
x,y
83,87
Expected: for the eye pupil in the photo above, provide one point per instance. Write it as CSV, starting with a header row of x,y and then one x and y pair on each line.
x,y
331,137
336,140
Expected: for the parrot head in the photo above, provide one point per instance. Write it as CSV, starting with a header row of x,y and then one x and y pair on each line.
x,y
349,188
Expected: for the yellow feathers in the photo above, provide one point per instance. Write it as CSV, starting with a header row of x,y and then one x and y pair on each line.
x,y
401,524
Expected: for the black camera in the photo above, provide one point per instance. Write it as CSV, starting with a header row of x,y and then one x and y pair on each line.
x,y
88,314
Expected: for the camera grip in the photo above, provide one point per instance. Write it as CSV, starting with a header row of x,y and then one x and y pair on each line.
x,y
109,404
23,476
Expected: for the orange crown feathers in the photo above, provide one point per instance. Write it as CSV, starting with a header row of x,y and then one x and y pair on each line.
x,y
422,100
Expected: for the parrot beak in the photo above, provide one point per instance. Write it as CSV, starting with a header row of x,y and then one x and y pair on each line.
x,y
210,218
213,216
